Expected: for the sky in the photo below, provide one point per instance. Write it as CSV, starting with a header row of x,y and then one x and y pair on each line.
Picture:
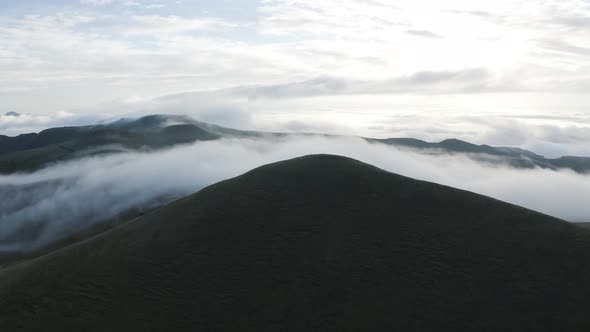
x,y
505,72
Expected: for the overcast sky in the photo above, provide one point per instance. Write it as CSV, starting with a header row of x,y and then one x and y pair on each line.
x,y
504,72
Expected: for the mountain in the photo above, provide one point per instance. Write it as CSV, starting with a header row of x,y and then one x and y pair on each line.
x,y
29,152
314,243
514,157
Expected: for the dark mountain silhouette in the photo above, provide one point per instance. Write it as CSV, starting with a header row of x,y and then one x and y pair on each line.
x,y
29,152
314,243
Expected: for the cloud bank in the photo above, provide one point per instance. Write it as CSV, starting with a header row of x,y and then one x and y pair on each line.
x,y
65,198
500,119
11,125
79,53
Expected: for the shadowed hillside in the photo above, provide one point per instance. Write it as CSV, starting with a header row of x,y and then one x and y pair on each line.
x,y
29,152
314,243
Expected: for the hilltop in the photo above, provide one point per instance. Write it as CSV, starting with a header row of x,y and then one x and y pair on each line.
x,y
314,243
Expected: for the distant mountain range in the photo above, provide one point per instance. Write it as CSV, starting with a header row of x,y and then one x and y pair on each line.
x,y
29,152
298,246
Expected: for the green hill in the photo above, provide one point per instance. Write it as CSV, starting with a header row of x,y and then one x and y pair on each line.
x,y
30,152
320,243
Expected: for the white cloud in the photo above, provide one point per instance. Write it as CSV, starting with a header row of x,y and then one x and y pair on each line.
x,y
157,24
32,123
154,6
525,120
96,2
524,45
500,36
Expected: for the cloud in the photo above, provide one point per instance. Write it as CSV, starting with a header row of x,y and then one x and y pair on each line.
x,y
157,24
575,21
155,6
424,33
70,196
11,125
342,107
83,56
456,81
96,2
125,3
560,45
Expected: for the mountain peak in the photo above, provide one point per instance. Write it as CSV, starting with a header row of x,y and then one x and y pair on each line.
x,y
317,242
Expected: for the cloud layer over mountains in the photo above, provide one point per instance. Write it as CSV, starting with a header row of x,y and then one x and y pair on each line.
x,y
497,121
67,197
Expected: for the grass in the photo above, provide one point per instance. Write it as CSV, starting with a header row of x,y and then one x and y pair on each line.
x,y
320,243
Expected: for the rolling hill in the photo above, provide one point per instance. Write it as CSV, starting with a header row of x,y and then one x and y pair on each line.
x,y
321,243
30,152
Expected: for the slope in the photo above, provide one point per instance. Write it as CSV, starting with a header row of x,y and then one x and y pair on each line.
x,y
29,152
314,243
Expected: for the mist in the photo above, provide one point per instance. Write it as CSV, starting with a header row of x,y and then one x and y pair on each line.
x,y
39,208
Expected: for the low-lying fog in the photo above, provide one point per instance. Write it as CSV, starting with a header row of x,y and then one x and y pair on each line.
x,y
62,199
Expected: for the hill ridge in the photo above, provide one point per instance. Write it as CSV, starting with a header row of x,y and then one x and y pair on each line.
x,y
29,152
318,242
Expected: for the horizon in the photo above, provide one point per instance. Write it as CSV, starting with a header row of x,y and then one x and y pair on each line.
x,y
335,135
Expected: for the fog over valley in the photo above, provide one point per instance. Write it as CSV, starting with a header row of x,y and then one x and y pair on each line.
x,y
70,196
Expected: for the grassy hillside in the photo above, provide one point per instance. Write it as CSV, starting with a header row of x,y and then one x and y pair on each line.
x,y
314,243
514,157
30,152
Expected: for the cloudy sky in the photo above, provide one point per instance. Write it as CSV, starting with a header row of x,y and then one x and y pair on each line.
x,y
504,72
